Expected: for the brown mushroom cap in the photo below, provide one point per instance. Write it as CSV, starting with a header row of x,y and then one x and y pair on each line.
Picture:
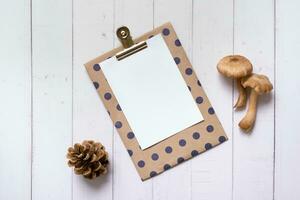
x,y
260,83
235,66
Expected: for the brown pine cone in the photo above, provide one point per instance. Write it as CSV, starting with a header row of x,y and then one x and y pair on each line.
x,y
88,159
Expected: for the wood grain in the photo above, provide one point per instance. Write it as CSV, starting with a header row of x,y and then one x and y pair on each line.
x,y
15,101
52,98
213,39
253,153
92,35
287,172
48,102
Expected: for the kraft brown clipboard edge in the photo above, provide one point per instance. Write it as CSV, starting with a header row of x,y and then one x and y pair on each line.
x,y
210,131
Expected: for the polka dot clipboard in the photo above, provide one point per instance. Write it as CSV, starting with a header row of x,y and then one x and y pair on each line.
x,y
179,147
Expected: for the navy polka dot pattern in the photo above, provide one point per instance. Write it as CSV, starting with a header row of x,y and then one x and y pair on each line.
x,y
153,173
167,166
107,96
177,60
196,135
188,71
96,85
189,143
166,31
154,156
119,108
199,100
96,67
208,146
130,135
182,142
194,153
211,111
177,42
210,128
222,139
141,163
168,149
180,160
118,124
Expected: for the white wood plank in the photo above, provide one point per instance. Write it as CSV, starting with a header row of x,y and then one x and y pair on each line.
x,y
52,98
138,17
15,115
93,35
287,172
253,153
179,13
213,39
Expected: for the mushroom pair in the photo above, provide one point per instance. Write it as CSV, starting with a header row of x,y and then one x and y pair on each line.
x,y
240,68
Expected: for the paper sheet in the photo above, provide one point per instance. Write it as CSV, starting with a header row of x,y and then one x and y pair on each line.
x,y
152,93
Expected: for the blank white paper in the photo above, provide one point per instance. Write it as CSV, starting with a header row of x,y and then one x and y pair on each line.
x,y
152,93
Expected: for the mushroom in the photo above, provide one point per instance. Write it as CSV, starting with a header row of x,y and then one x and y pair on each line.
x,y
259,85
236,66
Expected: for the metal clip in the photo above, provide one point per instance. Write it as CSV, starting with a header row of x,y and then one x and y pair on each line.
x,y
125,38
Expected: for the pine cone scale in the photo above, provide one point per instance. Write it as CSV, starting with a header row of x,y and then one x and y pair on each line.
x,y
88,159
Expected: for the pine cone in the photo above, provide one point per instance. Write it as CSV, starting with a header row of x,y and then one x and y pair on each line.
x,y
88,159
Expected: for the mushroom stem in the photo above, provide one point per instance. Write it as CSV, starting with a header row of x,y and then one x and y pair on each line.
x,y
248,121
241,102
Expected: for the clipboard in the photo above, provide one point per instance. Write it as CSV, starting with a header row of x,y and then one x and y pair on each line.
x,y
180,146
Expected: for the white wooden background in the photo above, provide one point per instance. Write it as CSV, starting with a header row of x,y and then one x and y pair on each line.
x,y
48,102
